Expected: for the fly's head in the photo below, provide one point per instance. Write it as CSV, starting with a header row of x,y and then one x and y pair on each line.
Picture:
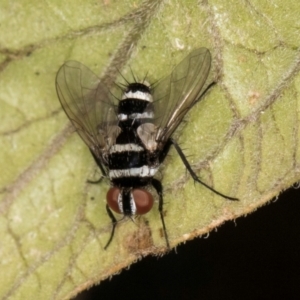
x,y
129,202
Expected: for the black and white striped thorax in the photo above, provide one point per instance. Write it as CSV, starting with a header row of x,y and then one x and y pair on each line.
x,y
129,158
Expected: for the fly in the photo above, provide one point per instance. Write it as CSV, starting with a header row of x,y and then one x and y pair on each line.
x,y
130,136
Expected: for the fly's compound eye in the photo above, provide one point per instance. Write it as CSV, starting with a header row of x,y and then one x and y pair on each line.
x,y
140,200
143,201
112,198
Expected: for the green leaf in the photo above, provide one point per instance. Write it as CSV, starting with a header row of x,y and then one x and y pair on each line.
x,y
242,138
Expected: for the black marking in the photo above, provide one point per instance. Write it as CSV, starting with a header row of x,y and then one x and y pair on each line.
x,y
131,106
127,160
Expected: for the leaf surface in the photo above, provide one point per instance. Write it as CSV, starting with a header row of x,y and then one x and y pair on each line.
x,y
242,138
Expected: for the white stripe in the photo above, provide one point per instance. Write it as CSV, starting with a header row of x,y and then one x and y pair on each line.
x,y
144,171
138,95
144,115
132,204
122,117
125,147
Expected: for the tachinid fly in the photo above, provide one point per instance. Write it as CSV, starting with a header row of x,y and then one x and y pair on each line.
x,y
129,136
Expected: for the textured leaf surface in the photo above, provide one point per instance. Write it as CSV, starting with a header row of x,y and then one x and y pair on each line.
x,y
242,138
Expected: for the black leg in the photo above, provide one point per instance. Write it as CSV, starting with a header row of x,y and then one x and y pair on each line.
x,y
159,189
95,181
193,174
204,92
114,224
110,214
99,164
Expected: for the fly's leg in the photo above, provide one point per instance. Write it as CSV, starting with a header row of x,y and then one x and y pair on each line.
x,y
99,164
159,189
204,92
95,181
114,224
109,212
193,174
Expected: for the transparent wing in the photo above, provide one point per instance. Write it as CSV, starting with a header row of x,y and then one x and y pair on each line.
x,y
88,104
177,93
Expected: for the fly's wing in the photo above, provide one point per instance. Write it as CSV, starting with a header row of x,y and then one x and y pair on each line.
x,y
177,93
89,106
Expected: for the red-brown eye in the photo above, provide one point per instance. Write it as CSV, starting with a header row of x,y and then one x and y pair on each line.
x,y
112,199
143,201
